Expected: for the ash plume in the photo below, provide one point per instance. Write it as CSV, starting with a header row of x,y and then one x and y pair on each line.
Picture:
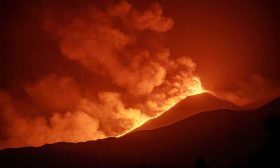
x,y
118,43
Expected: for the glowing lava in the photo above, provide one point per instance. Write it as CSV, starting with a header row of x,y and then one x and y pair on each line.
x,y
194,87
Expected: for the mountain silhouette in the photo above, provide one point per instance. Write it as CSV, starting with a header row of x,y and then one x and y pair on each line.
x,y
186,108
259,102
219,139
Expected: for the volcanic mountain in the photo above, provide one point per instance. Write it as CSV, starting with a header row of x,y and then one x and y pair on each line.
x,y
188,107
221,138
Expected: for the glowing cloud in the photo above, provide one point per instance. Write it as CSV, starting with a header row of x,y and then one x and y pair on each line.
x,y
112,43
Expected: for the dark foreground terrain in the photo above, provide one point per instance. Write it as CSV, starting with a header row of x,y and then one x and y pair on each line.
x,y
217,139
188,107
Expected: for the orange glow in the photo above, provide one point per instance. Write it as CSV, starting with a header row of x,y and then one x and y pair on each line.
x,y
194,88
105,69
130,78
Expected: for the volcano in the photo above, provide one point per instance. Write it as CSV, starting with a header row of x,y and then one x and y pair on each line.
x,y
188,107
220,138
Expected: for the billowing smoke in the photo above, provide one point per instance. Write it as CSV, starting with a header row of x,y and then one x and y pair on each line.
x,y
118,43
108,42
255,90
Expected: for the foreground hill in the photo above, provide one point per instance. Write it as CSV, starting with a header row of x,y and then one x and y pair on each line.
x,y
221,138
188,107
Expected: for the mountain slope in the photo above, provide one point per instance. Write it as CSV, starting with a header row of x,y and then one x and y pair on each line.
x,y
221,137
259,103
186,108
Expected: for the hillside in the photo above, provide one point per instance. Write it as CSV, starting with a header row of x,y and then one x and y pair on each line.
x,y
223,138
188,107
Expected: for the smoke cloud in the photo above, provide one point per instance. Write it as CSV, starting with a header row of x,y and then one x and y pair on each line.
x,y
108,42
119,43
255,88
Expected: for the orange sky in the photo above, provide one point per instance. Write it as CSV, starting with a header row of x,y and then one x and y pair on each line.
x,y
229,41
108,63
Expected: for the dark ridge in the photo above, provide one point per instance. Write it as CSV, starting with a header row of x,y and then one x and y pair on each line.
x,y
188,107
220,139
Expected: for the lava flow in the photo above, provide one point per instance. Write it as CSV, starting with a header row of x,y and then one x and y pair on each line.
x,y
193,88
